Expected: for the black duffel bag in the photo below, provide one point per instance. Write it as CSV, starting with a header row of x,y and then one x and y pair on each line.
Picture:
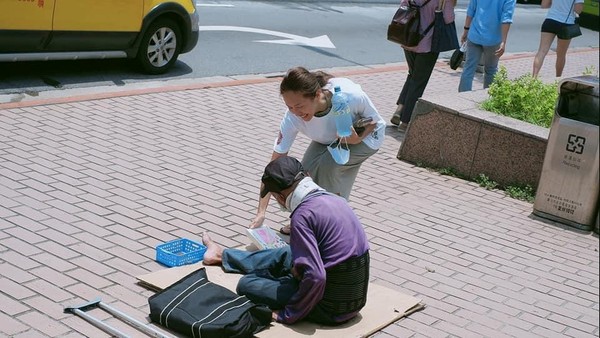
x,y
196,307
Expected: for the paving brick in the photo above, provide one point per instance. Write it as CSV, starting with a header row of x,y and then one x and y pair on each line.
x,y
25,235
56,249
543,322
425,330
543,332
51,291
11,306
83,327
47,306
88,277
125,266
15,273
55,277
11,326
455,331
127,296
464,304
44,323
574,332
30,334
571,322
15,290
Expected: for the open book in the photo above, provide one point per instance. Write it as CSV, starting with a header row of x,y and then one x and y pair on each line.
x,y
265,238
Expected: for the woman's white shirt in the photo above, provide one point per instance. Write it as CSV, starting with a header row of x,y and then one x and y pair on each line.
x,y
322,129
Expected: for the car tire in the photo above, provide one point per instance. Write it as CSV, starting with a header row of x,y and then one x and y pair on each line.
x,y
160,46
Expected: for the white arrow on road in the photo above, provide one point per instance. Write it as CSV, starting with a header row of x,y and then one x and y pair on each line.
x,y
290,39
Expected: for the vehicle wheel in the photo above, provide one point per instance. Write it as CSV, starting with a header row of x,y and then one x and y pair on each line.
x,y
160,46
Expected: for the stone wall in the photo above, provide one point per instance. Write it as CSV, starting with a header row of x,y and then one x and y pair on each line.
x,y
451,131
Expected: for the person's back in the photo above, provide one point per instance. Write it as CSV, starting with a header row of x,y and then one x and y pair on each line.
x,y
330,250
330,220
488,16
562,11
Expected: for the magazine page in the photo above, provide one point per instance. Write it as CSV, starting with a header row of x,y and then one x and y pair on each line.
x,y
265,238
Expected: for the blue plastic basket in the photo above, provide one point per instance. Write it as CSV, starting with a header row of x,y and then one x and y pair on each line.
x,y
179,252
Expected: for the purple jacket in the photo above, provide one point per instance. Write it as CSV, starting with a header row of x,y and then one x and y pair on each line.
x,y
324,232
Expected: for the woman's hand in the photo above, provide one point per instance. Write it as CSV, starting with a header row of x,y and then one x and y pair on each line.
x,y
274,315
356,139
463,38
257,221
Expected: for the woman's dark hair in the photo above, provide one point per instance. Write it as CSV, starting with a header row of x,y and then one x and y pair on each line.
x,y
299,79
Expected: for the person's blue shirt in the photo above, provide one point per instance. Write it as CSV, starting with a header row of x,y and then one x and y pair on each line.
x,y
488,17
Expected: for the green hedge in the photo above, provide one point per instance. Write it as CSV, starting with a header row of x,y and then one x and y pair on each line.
x,y
525,98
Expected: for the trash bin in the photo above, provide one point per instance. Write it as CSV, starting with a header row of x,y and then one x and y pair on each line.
x,y
568,187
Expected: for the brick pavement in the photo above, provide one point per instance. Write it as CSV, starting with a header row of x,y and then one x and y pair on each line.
x,y
90,184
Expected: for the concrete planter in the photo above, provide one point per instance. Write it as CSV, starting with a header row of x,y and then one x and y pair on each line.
x,y
451,131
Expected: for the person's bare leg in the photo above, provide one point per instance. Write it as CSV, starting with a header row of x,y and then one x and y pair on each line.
x,y
545,44
561,55
214,252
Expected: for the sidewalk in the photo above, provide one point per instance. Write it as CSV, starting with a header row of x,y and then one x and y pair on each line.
x,y
92,182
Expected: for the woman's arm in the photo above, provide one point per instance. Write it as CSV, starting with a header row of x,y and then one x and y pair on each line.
x,y
578,8
546,3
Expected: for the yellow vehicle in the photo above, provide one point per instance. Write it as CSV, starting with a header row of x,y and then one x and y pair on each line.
x,y
154,32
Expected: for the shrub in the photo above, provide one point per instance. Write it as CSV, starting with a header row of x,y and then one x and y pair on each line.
x,y
525,98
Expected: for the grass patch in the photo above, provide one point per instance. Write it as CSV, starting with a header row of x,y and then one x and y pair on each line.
x,y
520,192
524,193
486,182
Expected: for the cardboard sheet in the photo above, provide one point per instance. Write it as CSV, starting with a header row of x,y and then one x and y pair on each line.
x,y
384,306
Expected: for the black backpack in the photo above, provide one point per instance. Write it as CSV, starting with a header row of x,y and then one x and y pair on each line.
x,y
196,307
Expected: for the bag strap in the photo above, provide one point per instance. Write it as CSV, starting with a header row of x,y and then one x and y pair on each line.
x,y
570,10
430,25
412,3
441,6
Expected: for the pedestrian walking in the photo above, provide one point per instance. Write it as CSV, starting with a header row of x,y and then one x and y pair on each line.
x,y
485,32
308,97
420,59
559,20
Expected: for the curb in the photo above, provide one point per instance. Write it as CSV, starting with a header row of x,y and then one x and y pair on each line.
x,y
105,92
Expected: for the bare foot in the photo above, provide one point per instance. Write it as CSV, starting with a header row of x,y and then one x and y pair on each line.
x,y
214,252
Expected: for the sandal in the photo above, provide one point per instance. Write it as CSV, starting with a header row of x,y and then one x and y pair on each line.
x,y
285,230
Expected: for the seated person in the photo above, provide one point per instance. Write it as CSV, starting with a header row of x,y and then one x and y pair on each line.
x,y
323,275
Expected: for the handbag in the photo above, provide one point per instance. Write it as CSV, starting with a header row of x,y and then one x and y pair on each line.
x,y
196,307
405,27
569,31
457,57
444,34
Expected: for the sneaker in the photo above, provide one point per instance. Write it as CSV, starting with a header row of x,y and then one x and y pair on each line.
x,y
402,127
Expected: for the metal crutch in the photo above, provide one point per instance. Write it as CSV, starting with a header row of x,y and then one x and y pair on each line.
x,y
80,310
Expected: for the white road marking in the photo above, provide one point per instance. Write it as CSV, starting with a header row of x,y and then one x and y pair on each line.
x,y
321,41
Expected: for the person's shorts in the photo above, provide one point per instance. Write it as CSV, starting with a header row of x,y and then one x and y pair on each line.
x,y
554,27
